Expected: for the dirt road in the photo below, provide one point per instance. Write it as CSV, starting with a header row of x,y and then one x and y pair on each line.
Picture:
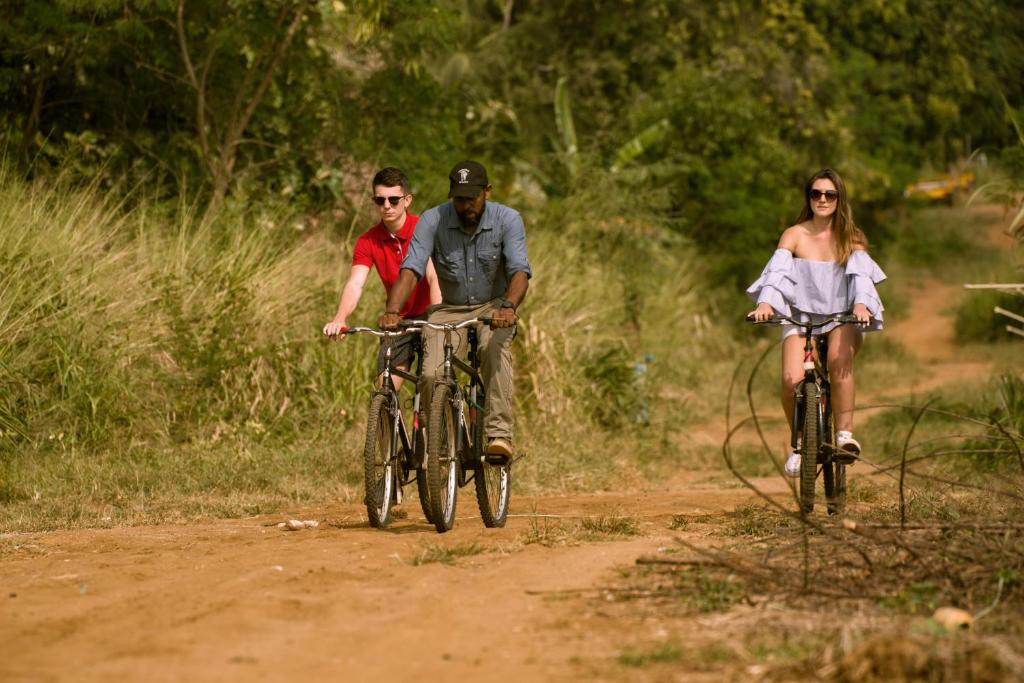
x,y
245,600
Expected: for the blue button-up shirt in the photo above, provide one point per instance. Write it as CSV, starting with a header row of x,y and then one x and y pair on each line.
x,y
471,269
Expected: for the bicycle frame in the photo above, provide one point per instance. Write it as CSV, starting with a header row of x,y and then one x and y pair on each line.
x,y
815,366
472,393
816,371
400,432
455,443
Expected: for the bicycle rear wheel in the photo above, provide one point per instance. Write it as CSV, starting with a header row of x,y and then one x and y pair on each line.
x,y
442,460
379,460
493,482
809,404
835,488
833,474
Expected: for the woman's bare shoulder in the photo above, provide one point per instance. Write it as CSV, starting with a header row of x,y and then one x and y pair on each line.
x,y
791,237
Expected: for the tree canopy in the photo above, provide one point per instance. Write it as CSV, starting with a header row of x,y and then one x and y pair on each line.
x,y
719,109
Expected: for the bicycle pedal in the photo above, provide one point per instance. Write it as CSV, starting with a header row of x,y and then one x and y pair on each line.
x,y
498,459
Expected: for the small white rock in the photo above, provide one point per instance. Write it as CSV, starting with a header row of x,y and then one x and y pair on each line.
x,y
953,619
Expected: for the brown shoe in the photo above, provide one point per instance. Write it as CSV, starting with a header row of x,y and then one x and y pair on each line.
x,y
499,449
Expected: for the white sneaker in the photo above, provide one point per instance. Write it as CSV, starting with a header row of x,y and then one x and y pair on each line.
x,y
792,466
846,442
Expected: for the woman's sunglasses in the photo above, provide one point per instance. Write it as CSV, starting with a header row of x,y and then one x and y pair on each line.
x,y
379,201
830,195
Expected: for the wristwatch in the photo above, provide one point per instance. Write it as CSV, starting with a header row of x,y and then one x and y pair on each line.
x,y
505,303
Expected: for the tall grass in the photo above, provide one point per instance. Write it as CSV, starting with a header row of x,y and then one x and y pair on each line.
x,y
146,363
152,368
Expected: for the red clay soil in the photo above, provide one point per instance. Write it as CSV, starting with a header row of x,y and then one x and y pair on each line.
x,y
244,600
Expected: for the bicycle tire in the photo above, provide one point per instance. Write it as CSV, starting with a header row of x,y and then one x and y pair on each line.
x,y
379,463
421,481
442,460
493,482
836,494
833,475
809,446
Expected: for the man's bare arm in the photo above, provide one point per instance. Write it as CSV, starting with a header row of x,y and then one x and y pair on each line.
x,y
400,291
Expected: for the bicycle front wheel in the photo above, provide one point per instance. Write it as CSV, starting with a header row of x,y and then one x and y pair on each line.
x,y
421,476
493,482
809,404
379,460
442,460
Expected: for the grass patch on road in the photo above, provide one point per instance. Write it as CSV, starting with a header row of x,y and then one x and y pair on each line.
x,y
638,658
437,553
550,532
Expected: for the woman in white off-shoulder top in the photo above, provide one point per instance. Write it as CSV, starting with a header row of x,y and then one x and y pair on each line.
x,y
820,268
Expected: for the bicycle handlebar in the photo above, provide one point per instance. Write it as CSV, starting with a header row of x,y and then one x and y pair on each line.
x,y
381,333
779,319
446,326
414,327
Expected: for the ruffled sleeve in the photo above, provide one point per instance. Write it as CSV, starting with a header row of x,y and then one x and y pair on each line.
x,y
862,275
776,286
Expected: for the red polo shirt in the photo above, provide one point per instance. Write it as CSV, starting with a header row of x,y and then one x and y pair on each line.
x,y
379,248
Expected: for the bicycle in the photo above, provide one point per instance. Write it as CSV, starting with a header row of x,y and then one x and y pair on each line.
x,y
455,438
812,419
391,456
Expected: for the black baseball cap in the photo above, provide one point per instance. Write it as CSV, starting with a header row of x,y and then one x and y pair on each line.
x,y
467,179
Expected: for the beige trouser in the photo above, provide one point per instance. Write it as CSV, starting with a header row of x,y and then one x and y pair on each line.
x,y
495,362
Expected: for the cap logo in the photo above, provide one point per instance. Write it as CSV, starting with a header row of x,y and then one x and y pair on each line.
x,y
463,175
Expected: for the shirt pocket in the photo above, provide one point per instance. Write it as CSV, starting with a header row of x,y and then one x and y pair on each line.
x,y
450,265
489,256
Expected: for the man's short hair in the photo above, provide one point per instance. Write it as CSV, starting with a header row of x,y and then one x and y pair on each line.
x,y
392,177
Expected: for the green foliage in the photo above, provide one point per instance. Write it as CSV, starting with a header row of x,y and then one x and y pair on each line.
x,y
916,598
939,239
976,320
727,107
558,532
707,590
661,654
615,400
437,553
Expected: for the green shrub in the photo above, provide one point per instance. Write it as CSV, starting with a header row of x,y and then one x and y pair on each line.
x,y
976,320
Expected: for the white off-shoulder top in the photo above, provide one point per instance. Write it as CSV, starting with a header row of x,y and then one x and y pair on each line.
x,y
805,290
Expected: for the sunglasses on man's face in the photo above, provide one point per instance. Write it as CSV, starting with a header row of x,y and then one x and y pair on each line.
x,y
830,195
379,201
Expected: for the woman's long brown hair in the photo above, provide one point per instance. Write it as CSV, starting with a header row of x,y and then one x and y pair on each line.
x,y
845,232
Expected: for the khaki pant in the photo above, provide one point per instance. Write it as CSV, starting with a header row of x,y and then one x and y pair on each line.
x,y
495,362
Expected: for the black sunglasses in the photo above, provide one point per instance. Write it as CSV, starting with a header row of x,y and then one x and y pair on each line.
x,y
830,195
379,201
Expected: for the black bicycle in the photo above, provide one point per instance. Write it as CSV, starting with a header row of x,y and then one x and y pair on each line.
x,y
813,430
393,454
455,438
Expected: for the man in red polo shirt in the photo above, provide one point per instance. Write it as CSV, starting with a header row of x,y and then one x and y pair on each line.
x,y
384,246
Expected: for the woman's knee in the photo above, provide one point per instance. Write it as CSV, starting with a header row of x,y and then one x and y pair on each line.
x,y
790,380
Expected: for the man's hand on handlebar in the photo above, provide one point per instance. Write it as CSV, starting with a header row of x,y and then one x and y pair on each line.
x,y
763,312
389,321
503,317
335,329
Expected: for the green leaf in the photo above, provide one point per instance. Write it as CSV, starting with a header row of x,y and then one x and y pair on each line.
x,y
647,138
566,128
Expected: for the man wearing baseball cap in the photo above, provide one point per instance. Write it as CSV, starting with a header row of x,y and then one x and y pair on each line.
x,y
479,251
